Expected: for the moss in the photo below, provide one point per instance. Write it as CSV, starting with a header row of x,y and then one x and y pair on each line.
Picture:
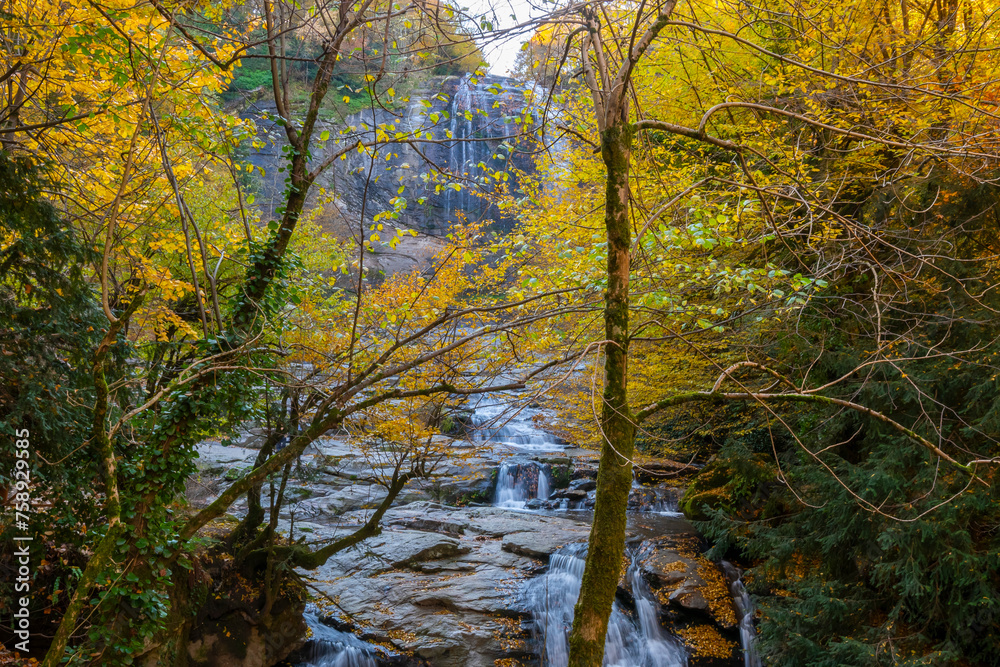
x,y
725,484
561,476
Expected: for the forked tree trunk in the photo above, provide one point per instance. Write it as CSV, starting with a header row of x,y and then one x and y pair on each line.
x,y
614,478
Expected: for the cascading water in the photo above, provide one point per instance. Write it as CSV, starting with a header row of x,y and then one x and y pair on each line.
x,y
330,647
493,423
518,479
745,611
661,650
655,500
552,596
478,122
517,483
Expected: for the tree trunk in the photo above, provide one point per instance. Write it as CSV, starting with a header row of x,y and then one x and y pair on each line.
x,y
614,477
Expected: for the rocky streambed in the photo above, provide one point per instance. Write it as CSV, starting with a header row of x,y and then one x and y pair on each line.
x,y
480,565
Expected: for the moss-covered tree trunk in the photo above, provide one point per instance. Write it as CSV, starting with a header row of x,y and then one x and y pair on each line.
x,y
614,477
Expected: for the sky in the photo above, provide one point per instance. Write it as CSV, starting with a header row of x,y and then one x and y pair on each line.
x,y
504,14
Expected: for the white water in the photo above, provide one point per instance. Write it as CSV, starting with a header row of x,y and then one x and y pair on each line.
x,y
745,611
498,424
634,639
486,102
517,483
552,596
518,479
330,647
654,500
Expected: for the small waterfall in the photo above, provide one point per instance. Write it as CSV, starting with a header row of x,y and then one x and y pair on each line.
x,y
661,650
744,610
656,500
552,596
491,423
330,647
517,483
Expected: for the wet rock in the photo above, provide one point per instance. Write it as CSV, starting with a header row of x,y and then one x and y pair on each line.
x,y
561,476
570,494
685,581
458,423
429,524
252,438
400,549
452,610
541,544
584,484
654,499
217,459
555,460
345,499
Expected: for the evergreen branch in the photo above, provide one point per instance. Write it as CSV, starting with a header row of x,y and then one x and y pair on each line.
x,y
717,396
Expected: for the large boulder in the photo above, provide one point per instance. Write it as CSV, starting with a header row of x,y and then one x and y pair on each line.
x,y
685,580
694,594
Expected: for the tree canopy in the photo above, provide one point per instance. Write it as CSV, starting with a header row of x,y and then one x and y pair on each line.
x,y
760,239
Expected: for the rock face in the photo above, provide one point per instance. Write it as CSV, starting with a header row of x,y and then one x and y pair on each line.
x,y
335,478
440,583
448,592
694,593
471,123
464,127
445,585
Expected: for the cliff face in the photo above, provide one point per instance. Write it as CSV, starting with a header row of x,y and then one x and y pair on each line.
x,y
464,127
467,128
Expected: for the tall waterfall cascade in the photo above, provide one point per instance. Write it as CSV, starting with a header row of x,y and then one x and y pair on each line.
x,y
467,136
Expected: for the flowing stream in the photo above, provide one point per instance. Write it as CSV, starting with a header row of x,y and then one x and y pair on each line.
x,y
745,611
638,642
632,641
635,638
493,423
330,647
517,483
519,479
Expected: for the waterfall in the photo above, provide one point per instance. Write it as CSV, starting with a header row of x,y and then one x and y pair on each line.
x,y
552,596
343,656
492,423
517,483
330,647
478,115
653,499
661,650
744,610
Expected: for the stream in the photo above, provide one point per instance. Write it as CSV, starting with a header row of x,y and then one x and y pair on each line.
x,y
638,641
523,483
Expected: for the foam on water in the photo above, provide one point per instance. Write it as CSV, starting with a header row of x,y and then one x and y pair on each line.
x,y
745,611
640,643
517,483
330,647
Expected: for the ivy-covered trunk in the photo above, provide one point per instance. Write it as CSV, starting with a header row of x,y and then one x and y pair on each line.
x,y
614,478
